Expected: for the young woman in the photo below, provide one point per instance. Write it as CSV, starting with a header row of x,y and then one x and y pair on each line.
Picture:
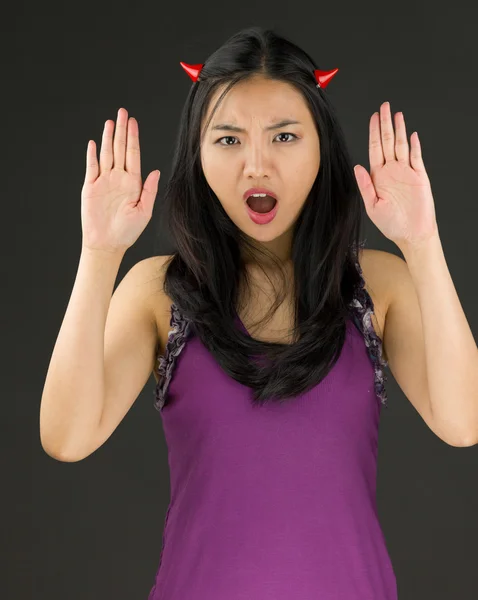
x,y
264,331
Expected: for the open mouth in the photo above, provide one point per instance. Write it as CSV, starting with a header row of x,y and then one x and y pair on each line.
x,y
261,204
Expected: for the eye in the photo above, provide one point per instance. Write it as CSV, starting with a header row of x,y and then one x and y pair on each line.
x,y
231,137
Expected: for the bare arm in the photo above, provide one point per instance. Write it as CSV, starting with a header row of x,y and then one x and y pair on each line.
x,y
115,209
73,393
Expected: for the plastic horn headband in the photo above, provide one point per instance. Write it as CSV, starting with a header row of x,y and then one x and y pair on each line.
x,y
323,78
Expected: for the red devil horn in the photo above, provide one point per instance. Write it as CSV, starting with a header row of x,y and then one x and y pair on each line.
x,y
323,78
192,70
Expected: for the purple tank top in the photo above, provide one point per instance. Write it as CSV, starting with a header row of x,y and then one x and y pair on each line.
x,y
279,501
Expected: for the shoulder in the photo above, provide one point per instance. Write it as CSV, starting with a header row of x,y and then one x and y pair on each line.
x,y
156,265
382,269
149,274
379,269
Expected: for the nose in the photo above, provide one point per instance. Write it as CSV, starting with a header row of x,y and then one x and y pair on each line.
x,y
256,161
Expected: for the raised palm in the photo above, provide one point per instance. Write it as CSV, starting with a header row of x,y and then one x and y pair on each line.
x,y
115,205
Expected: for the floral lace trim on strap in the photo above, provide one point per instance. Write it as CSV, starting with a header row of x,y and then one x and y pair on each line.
x,y
177,336
363,307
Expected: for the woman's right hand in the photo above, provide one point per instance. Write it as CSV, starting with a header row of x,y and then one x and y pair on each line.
x,y
115,206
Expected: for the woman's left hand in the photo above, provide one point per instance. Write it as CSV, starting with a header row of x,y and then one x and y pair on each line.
x,y
397,193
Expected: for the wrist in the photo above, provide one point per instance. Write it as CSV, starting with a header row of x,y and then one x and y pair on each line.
x,y
102,253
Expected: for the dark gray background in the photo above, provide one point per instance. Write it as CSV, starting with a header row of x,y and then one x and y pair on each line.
x,y
92,529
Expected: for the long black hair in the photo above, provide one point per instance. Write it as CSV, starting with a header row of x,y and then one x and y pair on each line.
x,y
204,274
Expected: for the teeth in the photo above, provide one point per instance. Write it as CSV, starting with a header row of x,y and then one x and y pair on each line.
x,y
259,195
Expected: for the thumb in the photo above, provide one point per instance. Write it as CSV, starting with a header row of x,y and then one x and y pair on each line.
x,y
366,187
150,190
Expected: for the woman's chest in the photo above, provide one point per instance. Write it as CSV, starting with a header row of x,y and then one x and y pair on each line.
x,y
278,328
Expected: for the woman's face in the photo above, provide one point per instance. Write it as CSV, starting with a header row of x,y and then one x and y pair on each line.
x,y
285,160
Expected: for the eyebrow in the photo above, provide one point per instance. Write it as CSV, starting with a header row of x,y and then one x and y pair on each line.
x,y
279,125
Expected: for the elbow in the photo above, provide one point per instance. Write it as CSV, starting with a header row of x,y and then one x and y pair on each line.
x,y
454,438
60,455
468,441
461,442
453,433
64,457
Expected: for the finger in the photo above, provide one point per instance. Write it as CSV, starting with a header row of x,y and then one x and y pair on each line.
x,y
401,143
149,192
366,187
119,145
133,154
91,162
416,159
375,151
106,151
388,135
